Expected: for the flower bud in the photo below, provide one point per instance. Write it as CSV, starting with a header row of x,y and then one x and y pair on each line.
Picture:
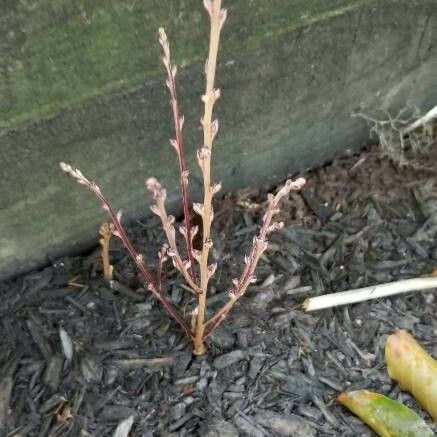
x,y
194,231
203,153
223,15
187,264
185,175
162,36
198,207
174,144
215,188
208,6
216,93
155,187
260,244
155,210
162,254
196,254
211,269
275,227
214,127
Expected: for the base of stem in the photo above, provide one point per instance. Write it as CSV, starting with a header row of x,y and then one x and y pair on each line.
x,y
200,349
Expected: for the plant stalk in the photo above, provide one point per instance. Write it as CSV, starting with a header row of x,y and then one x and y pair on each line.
x,y
160,194
178,144
106,230
217,17
199,328
152,282
259,245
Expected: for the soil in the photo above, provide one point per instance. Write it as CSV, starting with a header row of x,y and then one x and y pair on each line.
x,y
83,357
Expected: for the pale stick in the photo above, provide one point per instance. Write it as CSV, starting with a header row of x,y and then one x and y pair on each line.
x,y
369,293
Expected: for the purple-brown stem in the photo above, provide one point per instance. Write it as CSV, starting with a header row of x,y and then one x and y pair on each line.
x,y
178,144
159,195
152,282
200,328
259,245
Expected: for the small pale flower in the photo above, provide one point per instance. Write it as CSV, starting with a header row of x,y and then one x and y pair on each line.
x,y
198,207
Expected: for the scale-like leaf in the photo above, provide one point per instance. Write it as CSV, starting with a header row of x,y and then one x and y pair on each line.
x,y
414,370
385,416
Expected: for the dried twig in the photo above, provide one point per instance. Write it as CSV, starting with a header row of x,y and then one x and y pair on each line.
x,y
429,117
398,133
368,293
106,230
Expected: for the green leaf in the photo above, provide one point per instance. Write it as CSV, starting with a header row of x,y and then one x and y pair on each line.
x,y
385,416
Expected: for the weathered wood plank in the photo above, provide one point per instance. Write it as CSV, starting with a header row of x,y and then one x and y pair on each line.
x,y
289,81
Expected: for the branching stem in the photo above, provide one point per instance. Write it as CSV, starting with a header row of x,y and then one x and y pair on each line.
x,y
178,144
160,194
152,282
217,18
200,328
259,245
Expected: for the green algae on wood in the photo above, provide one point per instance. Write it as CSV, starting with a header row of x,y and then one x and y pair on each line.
x,y
287,100
56,54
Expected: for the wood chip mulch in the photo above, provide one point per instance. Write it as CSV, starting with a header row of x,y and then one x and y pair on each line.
x,y
81,357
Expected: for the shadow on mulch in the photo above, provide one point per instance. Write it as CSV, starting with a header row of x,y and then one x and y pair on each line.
x,y
82,358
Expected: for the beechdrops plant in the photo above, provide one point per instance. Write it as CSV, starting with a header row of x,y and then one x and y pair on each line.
x,y
194,267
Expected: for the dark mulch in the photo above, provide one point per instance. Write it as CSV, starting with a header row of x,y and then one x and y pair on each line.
x,y
81,358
